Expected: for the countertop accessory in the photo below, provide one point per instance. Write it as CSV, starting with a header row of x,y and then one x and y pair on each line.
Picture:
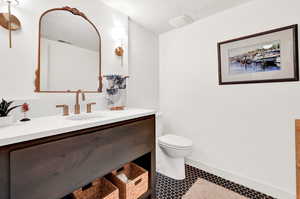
x,y
116,93
25,109
89,107
5,110
99,188
65,109
9,21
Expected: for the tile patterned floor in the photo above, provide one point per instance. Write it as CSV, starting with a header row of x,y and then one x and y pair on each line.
x,y
168,188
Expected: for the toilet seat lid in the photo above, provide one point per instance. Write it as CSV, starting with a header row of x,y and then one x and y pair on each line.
x,y
175,141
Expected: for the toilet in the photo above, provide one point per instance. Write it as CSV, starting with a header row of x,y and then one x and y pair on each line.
x,y
171,152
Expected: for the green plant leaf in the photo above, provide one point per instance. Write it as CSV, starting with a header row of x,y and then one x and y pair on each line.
x,y
2,104
12,108
9,103
2,113
4,107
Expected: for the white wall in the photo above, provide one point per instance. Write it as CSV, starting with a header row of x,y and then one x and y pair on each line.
x,y
19,63
143,71
241,132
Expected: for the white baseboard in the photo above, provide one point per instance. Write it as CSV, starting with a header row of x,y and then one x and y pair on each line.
x,y
250,183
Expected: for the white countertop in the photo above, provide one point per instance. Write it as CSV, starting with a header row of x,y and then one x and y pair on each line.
x,y
55,125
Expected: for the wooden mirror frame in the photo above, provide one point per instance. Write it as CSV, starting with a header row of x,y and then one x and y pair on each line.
x,y
37,81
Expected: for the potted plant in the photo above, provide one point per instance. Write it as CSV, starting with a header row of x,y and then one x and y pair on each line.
x,y
5,109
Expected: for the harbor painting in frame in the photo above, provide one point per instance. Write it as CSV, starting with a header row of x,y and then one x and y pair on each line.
x,y
270,56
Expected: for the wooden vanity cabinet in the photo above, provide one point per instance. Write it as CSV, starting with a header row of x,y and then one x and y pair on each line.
x,y
53,167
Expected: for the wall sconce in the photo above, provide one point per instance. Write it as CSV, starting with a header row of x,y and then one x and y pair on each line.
x,y
119,35
9,21
119,51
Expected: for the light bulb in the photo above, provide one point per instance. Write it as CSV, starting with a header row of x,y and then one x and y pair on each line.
x,y
11,2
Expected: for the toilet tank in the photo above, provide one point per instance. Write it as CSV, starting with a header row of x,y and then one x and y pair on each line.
x,y
159,124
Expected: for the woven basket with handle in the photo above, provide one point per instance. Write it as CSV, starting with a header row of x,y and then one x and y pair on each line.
x,y
138,181
98,189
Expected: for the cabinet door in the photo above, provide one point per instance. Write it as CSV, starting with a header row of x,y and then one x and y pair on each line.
x,y
52,170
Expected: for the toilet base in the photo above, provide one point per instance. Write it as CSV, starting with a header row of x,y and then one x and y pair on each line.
x,y
170,167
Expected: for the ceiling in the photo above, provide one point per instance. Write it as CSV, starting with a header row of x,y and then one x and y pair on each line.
x,y
155,14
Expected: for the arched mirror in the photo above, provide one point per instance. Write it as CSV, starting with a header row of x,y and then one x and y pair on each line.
x,y
69,55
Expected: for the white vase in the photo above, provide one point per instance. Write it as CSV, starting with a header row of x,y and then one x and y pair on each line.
x,y
6,121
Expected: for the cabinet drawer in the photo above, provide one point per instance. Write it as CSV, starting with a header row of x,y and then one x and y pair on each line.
x,y
52,170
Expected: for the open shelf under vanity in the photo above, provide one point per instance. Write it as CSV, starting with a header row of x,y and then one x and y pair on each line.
x,y
145,163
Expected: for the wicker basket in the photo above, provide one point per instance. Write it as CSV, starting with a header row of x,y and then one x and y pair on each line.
x,y
138,184
99,189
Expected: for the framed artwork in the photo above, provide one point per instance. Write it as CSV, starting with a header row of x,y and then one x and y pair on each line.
x,y
270,56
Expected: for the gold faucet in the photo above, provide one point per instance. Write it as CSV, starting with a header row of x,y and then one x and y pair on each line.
x,y
65,109
89,107
77,105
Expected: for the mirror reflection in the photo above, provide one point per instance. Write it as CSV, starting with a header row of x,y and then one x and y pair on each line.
x,y
70,53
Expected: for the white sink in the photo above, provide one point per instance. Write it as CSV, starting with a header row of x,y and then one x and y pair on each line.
x,y
86,116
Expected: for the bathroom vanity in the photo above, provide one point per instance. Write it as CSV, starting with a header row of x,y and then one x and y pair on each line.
x,y
51,157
